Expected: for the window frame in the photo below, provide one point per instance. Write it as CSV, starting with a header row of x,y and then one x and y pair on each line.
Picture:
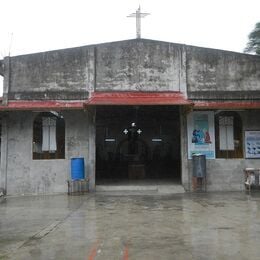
x,y
37,136
237,153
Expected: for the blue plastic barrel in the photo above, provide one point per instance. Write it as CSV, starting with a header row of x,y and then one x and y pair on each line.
x,y
77,168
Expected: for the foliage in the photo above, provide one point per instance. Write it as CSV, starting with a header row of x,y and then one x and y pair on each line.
x,y
253,45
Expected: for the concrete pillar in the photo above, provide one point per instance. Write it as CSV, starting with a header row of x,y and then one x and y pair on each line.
x,y
183,72
91,65
7,64
1,68
92,149
4,155
185,179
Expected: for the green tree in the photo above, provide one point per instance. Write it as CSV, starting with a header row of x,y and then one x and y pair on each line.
x,y
253,45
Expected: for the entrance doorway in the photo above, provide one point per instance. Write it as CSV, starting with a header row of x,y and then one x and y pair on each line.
x,y
138,143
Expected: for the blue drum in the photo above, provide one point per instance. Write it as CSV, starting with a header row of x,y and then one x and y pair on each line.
x,y
77,168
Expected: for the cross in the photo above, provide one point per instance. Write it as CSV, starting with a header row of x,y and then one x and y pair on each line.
x,y
139,131
138,15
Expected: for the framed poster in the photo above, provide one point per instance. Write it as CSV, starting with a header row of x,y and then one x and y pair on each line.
x,y
201,134
252,144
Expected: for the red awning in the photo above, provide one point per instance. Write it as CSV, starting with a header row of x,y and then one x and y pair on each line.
x,y
138,98
42,105
128,98
226,105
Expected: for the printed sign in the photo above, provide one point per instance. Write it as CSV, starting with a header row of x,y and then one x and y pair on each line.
x,y
201,134
252,144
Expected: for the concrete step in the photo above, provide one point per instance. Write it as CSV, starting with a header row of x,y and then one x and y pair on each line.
x,y
159,189
170,189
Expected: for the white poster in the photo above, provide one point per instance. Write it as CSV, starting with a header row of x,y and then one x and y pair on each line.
x,y
201,134
252,144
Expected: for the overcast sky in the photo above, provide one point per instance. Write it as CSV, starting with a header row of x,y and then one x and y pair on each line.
x,y
42,25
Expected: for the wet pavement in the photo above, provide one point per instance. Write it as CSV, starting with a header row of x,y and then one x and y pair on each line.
x,y
124,226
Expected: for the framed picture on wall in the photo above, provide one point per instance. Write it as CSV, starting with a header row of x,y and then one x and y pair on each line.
x,y
252,144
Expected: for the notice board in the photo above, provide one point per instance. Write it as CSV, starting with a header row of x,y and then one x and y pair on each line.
x,y
252,144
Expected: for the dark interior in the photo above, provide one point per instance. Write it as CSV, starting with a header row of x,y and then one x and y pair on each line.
x,y
137,142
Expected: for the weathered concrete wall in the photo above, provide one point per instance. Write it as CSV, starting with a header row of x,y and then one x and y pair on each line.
x,y
227,174
223,174
4,145
7,79
140,65
185,171
216,74
1,68
133,65
62,74
28,176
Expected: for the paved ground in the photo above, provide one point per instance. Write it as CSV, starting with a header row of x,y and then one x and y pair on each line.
x,y
121,226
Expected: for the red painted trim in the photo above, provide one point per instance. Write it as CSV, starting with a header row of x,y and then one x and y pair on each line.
x,y
226,105
138,98
128,98
42,105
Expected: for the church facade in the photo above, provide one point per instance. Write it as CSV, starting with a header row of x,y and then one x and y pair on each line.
x,y
134,110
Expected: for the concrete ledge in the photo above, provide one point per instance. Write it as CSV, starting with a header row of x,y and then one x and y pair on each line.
x,y
170,189
158,189
126,188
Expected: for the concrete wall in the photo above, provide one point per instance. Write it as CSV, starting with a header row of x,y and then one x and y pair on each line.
x,y
185,171
140,65
216,74
133,65
1,68
62,74
28,176
226,174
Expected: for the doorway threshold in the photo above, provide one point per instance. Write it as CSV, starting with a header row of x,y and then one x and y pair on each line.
x,y
141,186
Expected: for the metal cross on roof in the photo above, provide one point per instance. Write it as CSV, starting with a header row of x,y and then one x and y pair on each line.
x,y
138,15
